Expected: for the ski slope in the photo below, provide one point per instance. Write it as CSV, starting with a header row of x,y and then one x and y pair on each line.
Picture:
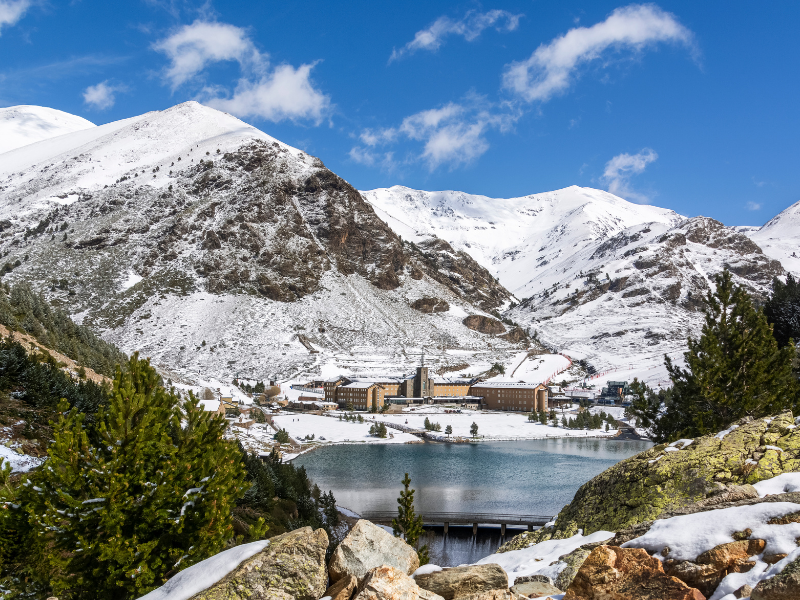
x,y
24,125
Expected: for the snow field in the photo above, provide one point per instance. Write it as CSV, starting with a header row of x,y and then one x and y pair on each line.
x,y
538,559
334,431
20,463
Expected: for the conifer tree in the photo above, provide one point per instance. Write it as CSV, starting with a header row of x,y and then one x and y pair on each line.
x,y
448,430
735,369
783,310
152,496
473,429
408,524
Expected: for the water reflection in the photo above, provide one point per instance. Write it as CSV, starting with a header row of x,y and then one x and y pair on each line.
x,y
532,477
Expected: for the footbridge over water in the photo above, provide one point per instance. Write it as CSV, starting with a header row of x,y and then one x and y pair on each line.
x,y
466,518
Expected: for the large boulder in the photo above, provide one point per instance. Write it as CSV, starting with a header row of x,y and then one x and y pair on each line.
x,y
783,586
535,586
367,546
430,305
290,567
464,581
484,324
388,583
703,472
626,574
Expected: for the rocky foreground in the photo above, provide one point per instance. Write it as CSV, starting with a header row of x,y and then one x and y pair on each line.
x,y
715,518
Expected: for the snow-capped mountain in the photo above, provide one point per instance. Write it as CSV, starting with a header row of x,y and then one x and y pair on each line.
x,y
23,125
600,278
780,238
211,246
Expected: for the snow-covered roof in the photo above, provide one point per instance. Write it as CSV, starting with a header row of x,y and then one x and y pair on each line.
x,y
360,385
209,405
508,385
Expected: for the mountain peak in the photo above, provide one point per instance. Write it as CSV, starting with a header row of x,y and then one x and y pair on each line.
x,y
27,124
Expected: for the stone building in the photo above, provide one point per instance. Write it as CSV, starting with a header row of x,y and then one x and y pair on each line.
x,y
523,397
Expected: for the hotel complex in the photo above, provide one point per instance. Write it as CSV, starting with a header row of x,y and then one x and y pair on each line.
x,y
375,392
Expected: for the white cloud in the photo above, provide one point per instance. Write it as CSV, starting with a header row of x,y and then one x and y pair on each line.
x,y
470,27
621,168
285,93
753,206
368,157
101,96
12,11
193,47
551,67
453,134
275,94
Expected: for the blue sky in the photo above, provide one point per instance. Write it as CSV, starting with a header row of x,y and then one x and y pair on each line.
x,y
686,105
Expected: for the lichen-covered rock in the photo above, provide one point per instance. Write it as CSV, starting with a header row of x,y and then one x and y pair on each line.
x,y
367,546
574,560
388,583
708,471
464,581
535,589
784,586
626,574
292,567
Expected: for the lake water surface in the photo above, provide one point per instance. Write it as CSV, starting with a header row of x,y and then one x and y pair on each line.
x,y
525,477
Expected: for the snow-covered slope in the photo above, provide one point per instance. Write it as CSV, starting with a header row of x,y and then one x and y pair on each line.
x,y
600,278
780,238
210,246
517,239
23,125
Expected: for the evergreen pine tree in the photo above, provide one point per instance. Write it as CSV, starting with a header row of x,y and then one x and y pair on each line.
x,y
473,429
408,524
152,496
448,430
783,310
735,369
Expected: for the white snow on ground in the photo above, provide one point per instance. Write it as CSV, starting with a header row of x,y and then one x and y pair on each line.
x,y
538,559
533,369
786,482
493,425
206,573
332,430
20,463
688,536
23,125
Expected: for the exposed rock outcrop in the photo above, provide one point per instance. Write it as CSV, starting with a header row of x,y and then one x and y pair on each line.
x,y
453,584
291,567
430,305
342,589
388,583
626,574
484,324
366,547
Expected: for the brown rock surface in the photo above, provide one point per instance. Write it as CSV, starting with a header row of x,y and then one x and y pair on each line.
x,y
342,589
368,546
430,305
455,583
617,573
708,569
388,583
484,324
535,589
